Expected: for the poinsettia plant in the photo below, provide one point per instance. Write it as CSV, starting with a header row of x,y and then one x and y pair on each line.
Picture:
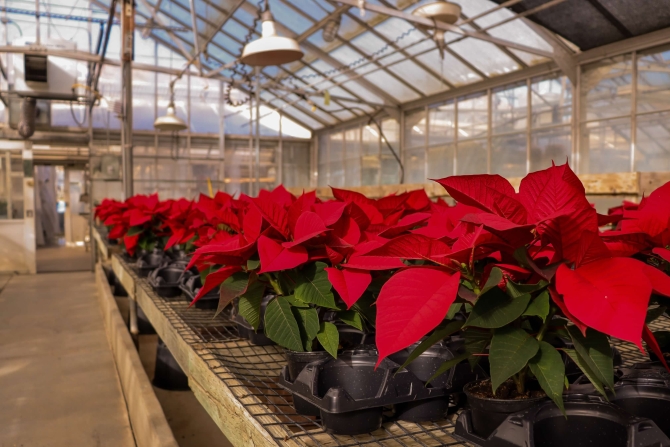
x,y
299,250
531,271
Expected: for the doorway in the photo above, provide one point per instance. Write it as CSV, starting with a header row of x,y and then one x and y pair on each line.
x,y
62,213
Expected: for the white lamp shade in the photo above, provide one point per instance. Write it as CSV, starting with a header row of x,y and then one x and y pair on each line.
x,y
271,49
441,11
170,122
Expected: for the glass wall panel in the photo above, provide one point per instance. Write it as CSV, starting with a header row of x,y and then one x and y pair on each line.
x,y
352,157
441,124
606,88
415,129
653,80
336,160
415,165
390,168
550,145
370,157
653,142
322,176
508,155
238,167
509,109
471,157
605,146
473,116
551,101
440,161
295,164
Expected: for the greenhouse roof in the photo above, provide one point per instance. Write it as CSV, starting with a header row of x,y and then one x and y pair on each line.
x,y
382,56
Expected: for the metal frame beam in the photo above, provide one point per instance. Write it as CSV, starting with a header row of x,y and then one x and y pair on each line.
x,y
447,27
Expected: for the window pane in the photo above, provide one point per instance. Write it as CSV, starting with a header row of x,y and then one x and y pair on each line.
x,y
415,166
4,193
237,167
473,117
653,81
471,157
415,129
322,160
653,142
510,109
605,147
370,161
295,164
549,145
336,160
441,124
606,88
352,171
508,155
390,168
440,161
551,100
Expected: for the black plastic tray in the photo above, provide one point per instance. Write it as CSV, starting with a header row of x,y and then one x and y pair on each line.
x,y
166,280
590,422
350,393
246,331
191,284
150,261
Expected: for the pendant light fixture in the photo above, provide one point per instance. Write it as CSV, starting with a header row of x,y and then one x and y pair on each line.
x,y
331,29
270,49
170,122
440,11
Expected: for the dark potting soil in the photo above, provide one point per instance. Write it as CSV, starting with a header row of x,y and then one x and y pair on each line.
x,y
507,391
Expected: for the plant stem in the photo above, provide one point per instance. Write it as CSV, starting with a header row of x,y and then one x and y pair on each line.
x,y
520,380
274,283
545,325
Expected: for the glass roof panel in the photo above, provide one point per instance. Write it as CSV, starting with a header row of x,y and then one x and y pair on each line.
x,y
392,86
518,32
394,27
529,59
362,92
454,70
485,56
421,79
288,17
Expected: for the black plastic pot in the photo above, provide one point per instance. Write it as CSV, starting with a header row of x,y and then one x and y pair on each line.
x,y
487,414
350,337
644,391
423,367
351,394
168,374
588,421
191,285
246,331
166,281
296,362
150,261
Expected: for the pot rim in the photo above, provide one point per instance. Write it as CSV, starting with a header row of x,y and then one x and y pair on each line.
x,y
466,390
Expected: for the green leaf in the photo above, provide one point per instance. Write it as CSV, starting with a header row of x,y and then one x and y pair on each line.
x,y
596,352
253,264
308,323
249,304
313,286
468,307
549,369
287,281
511,349
476,342
493,280
234,286
329,338
539,307
281,325
496,309
516,290
586,369
446,366
654,313
296,303
443,330
134,231
453,310
204,273
352,318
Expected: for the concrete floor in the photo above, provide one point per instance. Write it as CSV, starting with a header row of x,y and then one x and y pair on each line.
x,y
190,423
63,259
58,381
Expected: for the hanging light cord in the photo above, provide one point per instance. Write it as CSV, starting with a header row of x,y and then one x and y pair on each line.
x,y
237,68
